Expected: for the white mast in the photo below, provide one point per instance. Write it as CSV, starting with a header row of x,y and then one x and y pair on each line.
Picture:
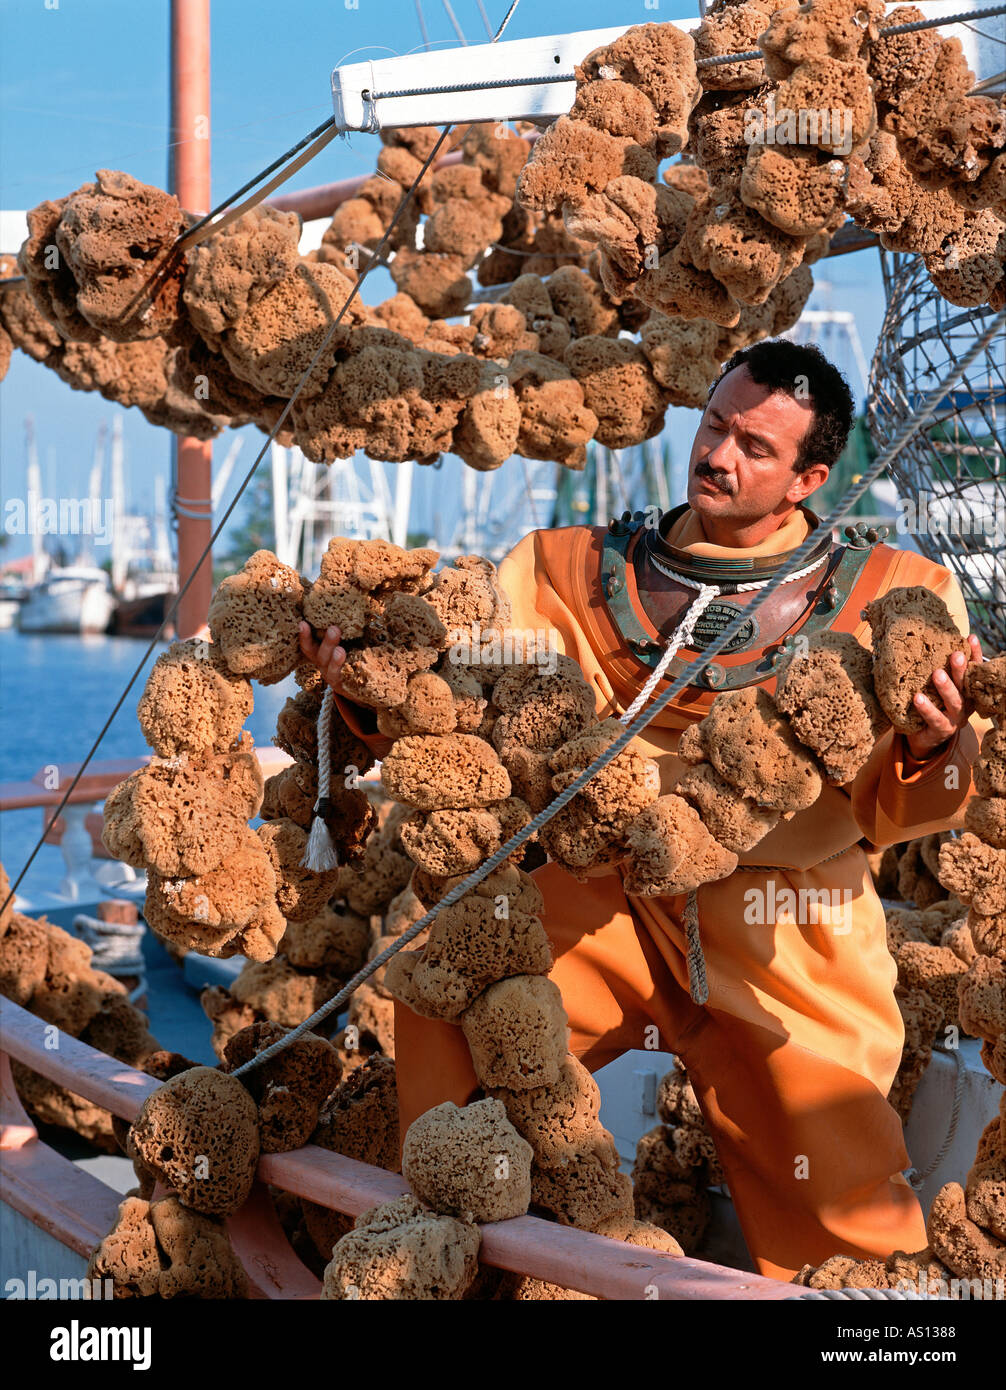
x,y
94,493
119,540
39,559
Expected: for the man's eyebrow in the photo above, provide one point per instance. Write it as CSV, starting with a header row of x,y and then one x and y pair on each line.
x,y
760,439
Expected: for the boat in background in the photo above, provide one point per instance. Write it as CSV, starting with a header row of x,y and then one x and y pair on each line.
x,y
76,598
12,595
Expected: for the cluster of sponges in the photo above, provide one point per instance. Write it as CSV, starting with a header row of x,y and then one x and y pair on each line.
x,y
932,948
184,817
690,249
224,333
317,956
198,1136
485,962
756,759
215,885
966,1225
675,1163
973,868
933,177
163,1249
49,972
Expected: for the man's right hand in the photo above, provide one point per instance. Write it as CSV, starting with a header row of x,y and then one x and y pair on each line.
x,y
327,655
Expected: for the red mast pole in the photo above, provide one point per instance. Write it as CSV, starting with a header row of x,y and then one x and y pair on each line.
x,y
190,180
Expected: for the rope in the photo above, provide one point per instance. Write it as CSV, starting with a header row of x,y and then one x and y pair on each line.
x,y
754,54
319,854
698,986
915,1177
199,233
737,588
521,837
246,187
681,637
870,1295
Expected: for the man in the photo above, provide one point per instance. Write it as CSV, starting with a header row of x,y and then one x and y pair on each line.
x,y
794,1052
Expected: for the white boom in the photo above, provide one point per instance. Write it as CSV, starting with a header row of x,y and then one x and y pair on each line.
x,y
519,79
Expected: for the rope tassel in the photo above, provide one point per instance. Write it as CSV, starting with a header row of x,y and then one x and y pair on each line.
x,y
320,854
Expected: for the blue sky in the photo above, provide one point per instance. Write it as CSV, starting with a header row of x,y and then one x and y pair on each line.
x,y
84,85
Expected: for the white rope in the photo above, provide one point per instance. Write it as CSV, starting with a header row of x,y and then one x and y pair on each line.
x,y
738,588
681,635
914,1176
698,985
320,855
860,1295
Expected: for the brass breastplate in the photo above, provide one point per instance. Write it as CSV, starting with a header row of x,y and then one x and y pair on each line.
x,y
813,603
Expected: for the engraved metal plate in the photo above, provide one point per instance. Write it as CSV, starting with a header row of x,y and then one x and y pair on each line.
x,y
716,618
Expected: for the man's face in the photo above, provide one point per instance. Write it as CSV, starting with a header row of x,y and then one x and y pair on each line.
x,y
742,463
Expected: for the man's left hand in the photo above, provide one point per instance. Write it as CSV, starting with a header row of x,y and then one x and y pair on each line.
x,y
943,719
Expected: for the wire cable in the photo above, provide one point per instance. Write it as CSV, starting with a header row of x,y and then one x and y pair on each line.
x,y
456,26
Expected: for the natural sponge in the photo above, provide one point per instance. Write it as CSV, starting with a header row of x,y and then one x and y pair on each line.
x,y
357,577
913,635
198,1133
402,1250
471,946
290,1088
829,697
559,1121
671,851
255,619
753,747
164,1250
468,1162
434,772
516,1033
191,702
180,818
975,873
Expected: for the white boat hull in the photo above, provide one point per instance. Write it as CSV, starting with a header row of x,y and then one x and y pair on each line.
x,y
8,611
70,607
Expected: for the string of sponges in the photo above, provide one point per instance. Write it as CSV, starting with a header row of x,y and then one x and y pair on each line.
x,y
966,1225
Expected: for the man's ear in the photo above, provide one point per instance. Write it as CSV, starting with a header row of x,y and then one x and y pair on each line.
x,y
807,482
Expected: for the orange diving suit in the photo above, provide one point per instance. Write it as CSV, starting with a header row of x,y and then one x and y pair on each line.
x,y
793,1054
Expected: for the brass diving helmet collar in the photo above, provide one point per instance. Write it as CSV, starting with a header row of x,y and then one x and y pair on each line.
x,y
721,570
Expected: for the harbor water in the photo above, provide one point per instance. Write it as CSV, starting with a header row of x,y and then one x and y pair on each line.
x,y
55,694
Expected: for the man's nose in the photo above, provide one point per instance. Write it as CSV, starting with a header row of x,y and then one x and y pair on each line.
x,y
724,457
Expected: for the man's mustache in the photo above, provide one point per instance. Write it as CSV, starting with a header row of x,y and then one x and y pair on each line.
x,y
718,480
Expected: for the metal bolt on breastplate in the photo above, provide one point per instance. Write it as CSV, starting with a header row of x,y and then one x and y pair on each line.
x,y
714,675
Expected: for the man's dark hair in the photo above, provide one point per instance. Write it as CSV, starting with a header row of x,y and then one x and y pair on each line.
x,y
802,371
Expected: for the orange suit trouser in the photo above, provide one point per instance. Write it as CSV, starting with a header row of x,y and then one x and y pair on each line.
x,y
791,1058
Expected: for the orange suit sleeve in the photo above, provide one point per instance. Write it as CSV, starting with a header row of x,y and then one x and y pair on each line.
x,y
894,798
362,722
